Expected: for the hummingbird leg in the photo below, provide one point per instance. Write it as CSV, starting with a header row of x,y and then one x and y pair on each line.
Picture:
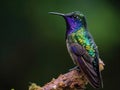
x,y
75,68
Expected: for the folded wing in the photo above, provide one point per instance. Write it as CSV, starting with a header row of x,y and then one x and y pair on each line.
x,y
88,65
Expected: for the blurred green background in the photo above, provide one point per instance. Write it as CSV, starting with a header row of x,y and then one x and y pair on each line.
x,y
32,44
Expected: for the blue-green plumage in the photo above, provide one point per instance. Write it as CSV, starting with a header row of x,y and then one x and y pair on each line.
x,y
81,47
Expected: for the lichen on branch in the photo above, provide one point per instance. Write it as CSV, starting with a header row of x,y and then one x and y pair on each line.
x,y
73,80
70,81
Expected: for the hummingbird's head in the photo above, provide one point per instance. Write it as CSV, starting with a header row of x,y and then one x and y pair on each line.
x,y
74,20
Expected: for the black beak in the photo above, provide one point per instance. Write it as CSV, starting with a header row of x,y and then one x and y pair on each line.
x,y
56,13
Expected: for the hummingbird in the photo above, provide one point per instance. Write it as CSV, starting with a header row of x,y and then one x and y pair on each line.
x,y
81,47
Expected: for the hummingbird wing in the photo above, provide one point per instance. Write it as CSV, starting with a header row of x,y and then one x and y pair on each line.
x,y
88,64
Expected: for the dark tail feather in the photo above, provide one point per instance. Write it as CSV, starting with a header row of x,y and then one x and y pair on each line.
x,y
93,77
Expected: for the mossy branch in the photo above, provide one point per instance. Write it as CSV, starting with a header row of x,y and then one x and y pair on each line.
x,y
69,81
73,80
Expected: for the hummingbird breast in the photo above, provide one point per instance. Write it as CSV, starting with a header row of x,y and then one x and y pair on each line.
x,y
74,58
82,38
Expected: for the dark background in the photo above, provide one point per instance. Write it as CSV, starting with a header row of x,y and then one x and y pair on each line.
x,y
32,44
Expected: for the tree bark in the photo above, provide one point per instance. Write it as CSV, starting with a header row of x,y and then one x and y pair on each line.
x,y
72,80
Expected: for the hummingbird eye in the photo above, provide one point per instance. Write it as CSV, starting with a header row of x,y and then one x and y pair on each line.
x,y
76,17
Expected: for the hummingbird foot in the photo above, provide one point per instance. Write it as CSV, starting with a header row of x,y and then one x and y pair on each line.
x,y
75,68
